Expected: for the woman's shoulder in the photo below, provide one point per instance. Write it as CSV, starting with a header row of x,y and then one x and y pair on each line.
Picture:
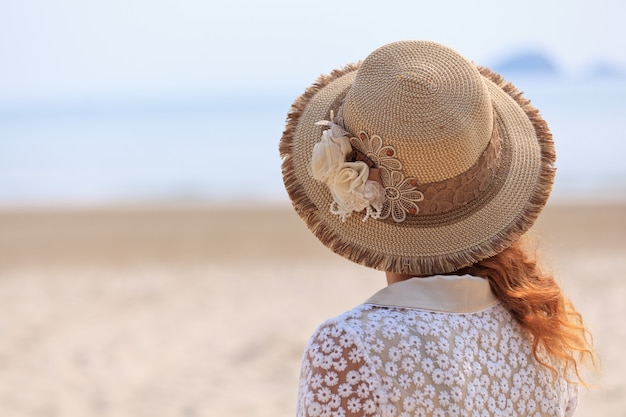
x,y
359,322
349,319
350,325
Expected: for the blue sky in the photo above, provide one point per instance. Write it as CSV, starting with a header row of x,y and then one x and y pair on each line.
x,y
59,50
104,100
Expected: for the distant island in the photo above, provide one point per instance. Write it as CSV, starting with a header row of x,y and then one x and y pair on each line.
x,y
536,64
528,63
606,71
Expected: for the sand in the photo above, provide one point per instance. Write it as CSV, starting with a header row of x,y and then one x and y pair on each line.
x,y
204,311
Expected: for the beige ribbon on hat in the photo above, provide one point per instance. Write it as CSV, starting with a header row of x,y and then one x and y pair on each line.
x,y
446,195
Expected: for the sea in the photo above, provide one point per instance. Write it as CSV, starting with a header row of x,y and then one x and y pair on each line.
x,y
223,148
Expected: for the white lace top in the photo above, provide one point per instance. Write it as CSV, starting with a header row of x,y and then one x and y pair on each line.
x,y
437,346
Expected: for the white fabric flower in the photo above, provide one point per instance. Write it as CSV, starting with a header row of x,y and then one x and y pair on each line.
x,y
348,188
349,182
375,194
328,156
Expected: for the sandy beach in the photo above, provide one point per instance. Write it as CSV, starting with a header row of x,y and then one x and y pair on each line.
x,y
204,311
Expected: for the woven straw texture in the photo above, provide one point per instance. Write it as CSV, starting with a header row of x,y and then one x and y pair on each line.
x,y
437,110
429,102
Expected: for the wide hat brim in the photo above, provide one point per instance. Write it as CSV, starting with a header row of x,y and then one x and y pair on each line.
x,y
429,244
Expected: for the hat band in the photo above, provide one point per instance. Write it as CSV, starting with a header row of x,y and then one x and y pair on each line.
x,y
406,196
447,195
364,174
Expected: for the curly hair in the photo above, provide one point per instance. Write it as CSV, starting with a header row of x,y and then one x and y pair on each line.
x,y
537,303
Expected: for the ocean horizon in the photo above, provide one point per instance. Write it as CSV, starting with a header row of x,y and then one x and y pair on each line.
x,y
223,148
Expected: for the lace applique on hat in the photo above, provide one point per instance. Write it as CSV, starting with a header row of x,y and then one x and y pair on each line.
x,y
351,180
401,193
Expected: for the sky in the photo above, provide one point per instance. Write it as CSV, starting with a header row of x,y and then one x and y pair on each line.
x,y
56,51
106,99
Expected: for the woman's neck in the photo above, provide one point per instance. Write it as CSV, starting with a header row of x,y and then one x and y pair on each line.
x,y
393,277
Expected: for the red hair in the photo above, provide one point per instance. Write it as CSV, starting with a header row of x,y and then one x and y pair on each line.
x,y
537,303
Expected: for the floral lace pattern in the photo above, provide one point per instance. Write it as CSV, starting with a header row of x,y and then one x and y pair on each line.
x,y
443,196
373,148
347,178
401,193
395,362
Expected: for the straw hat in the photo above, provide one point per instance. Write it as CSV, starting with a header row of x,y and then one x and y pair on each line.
x,y
416,161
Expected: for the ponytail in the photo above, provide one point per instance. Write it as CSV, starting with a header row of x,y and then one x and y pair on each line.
x,y
537,303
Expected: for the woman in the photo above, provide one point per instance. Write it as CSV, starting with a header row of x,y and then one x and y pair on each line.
x,y
420,164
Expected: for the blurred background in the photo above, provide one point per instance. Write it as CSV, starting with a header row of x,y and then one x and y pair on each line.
x,y
150,263
150,101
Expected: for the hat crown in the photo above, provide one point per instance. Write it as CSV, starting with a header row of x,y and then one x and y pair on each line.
x,y
425,100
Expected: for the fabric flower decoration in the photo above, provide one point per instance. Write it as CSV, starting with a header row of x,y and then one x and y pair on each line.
x,y
328,155
348,188
348,181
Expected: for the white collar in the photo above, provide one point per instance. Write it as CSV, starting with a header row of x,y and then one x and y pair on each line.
x,y
448,293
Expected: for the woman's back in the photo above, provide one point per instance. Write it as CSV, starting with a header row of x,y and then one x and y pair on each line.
x,y
418,163
450,356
